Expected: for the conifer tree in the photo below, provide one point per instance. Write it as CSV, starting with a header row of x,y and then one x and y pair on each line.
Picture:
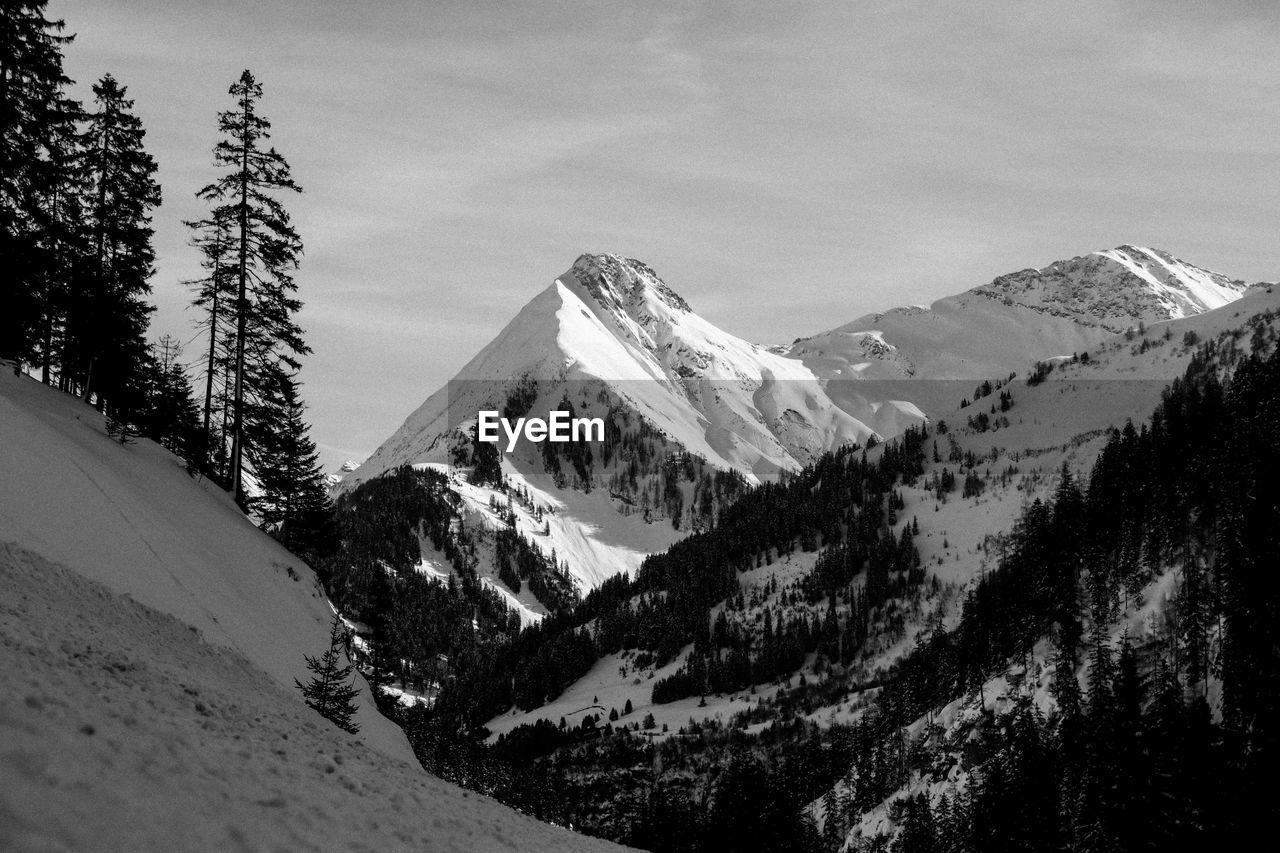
x,y
63,240
331,691
31,85
832,821
171,416
108,314
1128,785
1194,615
215,293
294,503
265,249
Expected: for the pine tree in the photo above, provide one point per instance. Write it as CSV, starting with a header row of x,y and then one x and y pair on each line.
x,y
294,503
832,821
171,413
918,832
215,293
63,240
1071,730
31,83
331,691
266,248
1130,782
1194,616
108,315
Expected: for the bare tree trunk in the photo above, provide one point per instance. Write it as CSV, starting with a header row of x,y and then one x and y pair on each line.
x,y
213,341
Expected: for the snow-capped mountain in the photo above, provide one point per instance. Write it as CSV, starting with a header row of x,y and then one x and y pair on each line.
x,y
610,324
1115,287
612,339
1065,418
333,478
999,458
612,321
992,330
615,341
987,331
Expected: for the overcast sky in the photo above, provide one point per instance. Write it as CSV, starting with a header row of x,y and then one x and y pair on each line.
x,y
786,167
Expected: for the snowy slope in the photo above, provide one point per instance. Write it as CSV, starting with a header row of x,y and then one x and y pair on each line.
x,y
583,529
609,335
123,730
609,323
150,637
893,368
131,518
1062,419
1122,379
984,333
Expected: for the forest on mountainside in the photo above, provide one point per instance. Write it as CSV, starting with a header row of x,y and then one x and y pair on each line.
x,y
78,192
1135,756
1132,731
845,500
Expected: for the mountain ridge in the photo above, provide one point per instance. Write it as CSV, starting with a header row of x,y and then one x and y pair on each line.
x,y
1031,313
612,320
610,336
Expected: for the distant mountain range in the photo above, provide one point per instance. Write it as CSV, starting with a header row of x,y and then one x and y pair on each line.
x,y
610,336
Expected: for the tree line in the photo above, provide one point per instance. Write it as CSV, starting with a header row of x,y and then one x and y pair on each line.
x,y
1135,756
78,192
844,503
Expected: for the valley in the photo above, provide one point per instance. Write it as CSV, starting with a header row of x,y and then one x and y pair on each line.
x,y
671,665
693,428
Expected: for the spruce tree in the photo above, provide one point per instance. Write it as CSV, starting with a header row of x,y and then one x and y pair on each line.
x,y
1194,617
63,240
832,824
31,83
331,691
108,315
171,413
215,293
265,249
294,503
1130,780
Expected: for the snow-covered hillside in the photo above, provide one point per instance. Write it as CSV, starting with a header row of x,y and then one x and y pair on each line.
x,y
584,530
1118,286
610,325
124,730
615,341
988,331
131,518
1062,419
143,607
609,336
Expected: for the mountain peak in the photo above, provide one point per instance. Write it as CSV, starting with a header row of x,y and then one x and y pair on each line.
x,y
1131,249
619,282
1118,286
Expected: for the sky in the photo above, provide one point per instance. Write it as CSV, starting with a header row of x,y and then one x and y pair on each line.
x,y
785,166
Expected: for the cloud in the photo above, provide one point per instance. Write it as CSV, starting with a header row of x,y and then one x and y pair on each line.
x,y
783,167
